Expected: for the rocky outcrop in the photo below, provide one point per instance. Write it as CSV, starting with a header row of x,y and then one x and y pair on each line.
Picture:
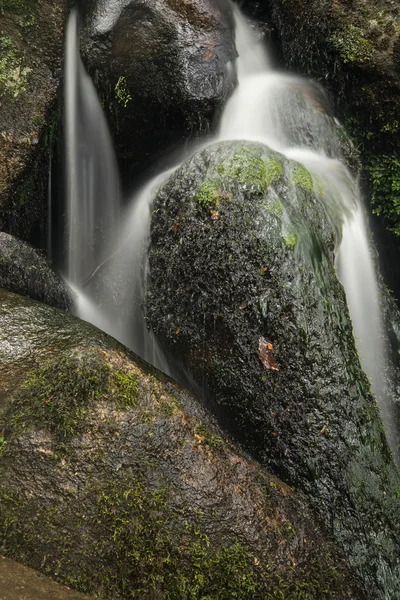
x,y
243,295
30,60
115,481
162,68
25,271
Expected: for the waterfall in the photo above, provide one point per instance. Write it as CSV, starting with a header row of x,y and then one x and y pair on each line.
x,y
292,115
288,113
91,175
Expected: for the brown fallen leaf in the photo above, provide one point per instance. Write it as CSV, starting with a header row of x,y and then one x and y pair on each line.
x,y
178,331
265,355
175,228
215,216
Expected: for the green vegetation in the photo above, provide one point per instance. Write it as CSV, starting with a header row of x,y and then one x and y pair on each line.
x,y
302,178
121,92
384,176
134,550
207,195
213,441
59,394
249,168
351,44
13,75
290,240
273,171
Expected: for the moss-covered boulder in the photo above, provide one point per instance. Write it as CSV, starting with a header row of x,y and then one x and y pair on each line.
x,y
25,271
30,60
117,482
244,298
162,68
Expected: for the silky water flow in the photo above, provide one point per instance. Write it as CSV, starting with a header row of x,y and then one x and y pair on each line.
x,y
288,113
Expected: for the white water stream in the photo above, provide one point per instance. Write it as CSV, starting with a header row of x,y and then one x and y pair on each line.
x,y
91,173
287,113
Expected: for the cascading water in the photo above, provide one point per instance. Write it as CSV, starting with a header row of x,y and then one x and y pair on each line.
x,y
91,175
291,115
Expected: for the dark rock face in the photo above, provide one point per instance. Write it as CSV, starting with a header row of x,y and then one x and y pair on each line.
x,y
117,482
30,60
25,271
244,296
162,68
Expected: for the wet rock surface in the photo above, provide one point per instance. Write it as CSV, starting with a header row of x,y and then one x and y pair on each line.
x,y
25,271
162,68
116,481
30,61
244,297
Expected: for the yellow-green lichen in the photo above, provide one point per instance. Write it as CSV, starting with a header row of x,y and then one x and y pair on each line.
x,y
13,74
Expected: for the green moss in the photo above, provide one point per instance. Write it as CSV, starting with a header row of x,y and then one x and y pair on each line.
x,y
13,75
302,178
274,205
139,547
213,441
351,44
207,195
273,171
290,239
127,391
59,395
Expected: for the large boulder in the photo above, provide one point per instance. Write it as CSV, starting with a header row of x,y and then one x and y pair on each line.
x,y
244,298
353,48
116,481
30,61
162,68
24,270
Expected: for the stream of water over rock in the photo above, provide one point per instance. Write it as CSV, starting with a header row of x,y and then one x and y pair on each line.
x,y
288,113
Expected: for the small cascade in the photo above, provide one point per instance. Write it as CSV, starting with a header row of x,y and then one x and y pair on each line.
x,y
292,115
118,283
288,113
91,174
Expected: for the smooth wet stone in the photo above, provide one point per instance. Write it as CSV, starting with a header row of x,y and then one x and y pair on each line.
x,y
117,482
24,270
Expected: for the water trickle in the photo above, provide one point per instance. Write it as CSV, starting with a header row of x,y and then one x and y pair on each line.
x,y
91,175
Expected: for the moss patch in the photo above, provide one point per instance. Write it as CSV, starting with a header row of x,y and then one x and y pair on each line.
x,y
13,75
351,44
59,395
273,171
302,178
